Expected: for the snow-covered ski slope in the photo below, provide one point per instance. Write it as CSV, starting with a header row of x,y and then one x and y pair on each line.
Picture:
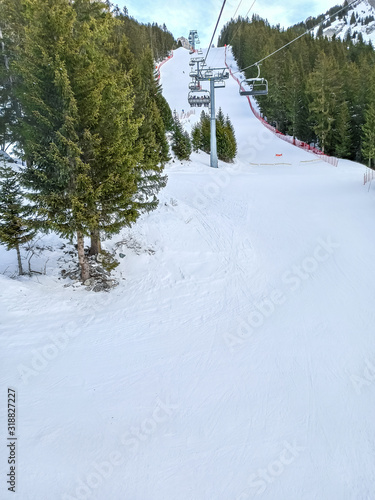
x,y
236,359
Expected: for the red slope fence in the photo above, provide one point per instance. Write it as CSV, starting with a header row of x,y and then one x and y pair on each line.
x,y
296,142
158,66
368,176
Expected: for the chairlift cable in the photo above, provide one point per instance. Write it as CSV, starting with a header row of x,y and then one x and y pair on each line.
x,y
238,6
298,37
247,13
217,23
252,5
238,27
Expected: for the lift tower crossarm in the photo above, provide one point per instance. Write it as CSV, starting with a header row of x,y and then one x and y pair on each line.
x,y
206,75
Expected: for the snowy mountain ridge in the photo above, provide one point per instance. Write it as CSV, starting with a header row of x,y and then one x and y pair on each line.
x,y
356,23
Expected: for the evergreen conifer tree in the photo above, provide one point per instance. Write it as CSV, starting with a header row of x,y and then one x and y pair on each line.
x,y
368,127
15,224
220,118
368,145
196,137
11,28
7,101
324,89
79,135
201,134
231,140
181,144
151,137
226,142
343,132
205,128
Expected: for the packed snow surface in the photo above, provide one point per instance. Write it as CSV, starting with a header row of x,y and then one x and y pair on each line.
x,y
235,360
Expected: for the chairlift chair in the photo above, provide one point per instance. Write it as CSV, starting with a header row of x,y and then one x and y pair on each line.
x,y
197,59
219,84
199,98
254,86
195,85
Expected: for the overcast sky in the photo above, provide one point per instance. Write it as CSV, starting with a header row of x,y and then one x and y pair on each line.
x,y
182,16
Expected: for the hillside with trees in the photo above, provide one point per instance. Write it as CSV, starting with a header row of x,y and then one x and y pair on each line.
x,y
142,36
83,109
320,90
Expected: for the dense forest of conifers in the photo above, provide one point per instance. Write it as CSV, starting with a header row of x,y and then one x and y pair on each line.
x,y
144,36
80,103
320,91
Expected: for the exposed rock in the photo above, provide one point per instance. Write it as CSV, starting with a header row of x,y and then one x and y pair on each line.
x,y
100,276
100,287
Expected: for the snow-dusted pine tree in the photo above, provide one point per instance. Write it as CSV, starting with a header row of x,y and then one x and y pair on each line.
x,y
15,224
181,144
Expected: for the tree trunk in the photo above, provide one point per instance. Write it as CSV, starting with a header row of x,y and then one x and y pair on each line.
x,y
95,247
83,264
6,60
20,270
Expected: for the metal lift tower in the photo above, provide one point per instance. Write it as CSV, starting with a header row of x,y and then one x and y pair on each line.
x,y
193,39
216,77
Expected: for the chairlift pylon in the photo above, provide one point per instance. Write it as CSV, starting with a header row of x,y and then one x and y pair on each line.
x,y
254,86
199,98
